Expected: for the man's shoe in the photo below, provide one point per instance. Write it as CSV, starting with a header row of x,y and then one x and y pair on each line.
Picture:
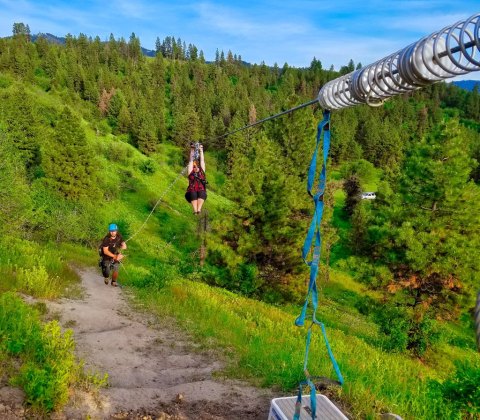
x,y
105,281
114,283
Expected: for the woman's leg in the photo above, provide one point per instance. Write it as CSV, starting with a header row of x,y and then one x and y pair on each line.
x,y
195,205
200,202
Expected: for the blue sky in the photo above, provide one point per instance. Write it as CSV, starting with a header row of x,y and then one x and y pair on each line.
x,y
292,32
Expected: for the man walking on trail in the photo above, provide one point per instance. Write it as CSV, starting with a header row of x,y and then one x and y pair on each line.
x,y
111,255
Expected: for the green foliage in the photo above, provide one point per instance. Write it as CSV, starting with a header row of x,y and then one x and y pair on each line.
x,y
419,232
5,81
67,175
48,365
69,163
461,389
15,203
20,116
39,270
58,219
364,170
148,166
353,191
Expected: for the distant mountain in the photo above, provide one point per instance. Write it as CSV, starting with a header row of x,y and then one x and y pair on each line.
x,y
148,53
50,38
467,84
61,40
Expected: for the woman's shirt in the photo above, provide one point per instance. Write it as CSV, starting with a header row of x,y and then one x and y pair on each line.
x,y
196,181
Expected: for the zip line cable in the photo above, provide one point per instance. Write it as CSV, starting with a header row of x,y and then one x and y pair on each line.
x,y
296,108
427,61
314,101
158,202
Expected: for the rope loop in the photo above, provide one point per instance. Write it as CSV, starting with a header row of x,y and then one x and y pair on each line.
x,y
314,240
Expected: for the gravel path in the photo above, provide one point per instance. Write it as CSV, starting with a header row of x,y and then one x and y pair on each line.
x,y
153,372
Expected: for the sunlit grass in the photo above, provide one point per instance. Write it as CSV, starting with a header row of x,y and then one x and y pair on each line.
x,y
269,349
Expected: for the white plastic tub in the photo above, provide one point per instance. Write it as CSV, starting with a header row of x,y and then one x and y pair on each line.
x,y
284,409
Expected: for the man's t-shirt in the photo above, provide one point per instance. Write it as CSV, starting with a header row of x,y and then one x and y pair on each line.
x,y
113,244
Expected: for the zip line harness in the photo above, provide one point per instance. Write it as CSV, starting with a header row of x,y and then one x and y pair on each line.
x,y
196,150
312,293
196,156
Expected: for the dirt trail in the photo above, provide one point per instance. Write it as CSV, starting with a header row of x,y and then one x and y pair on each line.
x,y
152,371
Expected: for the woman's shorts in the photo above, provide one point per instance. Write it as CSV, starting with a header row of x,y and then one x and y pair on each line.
x,y
195,195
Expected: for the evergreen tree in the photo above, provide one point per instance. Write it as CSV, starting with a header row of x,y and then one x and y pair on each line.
x,y
143,129
353,190
15,204
69,164
22,128
428,235
20,29
329,232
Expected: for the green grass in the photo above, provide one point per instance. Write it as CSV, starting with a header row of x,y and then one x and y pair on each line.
x,y
42,271
268,349
37,357
261,339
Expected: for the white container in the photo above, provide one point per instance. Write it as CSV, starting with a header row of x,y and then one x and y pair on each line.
x,y
284,409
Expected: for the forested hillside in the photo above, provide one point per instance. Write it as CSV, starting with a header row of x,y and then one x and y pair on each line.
x,y
94,132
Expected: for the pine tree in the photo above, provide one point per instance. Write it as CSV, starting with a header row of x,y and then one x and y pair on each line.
x,y
22,128
143,129
353,190
431,233
15,203
69,164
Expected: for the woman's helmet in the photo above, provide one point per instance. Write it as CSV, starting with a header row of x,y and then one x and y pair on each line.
x,y
112,227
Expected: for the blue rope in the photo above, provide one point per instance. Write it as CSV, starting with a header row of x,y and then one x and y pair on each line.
x,y
314,238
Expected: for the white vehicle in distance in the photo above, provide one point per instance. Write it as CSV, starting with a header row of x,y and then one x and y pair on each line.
x,y
368,196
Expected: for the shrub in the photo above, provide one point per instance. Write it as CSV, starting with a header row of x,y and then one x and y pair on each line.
x,y
48,364
46,378
403,331
394,323
148,167
422,335
5,81
461,390
118,152
245,279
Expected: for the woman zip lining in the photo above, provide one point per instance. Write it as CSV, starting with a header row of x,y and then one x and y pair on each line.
x,y
196,191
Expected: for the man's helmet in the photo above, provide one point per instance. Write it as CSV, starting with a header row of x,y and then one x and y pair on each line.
x,y
112,227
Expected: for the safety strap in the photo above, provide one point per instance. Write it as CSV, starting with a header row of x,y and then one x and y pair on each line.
x,y
314,238
477,320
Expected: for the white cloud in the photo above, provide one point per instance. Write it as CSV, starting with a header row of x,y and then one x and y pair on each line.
x,y
252,26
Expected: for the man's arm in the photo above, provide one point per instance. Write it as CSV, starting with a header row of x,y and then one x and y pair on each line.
x,y
107,252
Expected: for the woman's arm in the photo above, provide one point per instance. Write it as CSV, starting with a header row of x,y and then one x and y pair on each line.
x,y
190,162
202,159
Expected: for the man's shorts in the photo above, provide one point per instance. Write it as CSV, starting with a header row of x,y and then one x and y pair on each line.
x,y
195,195
108,266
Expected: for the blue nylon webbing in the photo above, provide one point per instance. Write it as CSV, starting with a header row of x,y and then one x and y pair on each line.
x,y
314,238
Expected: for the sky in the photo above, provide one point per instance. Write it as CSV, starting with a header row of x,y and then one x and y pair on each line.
x,y
291,32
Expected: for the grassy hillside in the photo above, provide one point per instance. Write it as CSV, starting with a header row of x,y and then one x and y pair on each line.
x,y
162,269
73,125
